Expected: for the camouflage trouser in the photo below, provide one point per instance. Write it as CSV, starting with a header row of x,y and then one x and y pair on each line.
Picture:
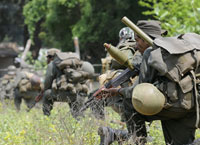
x,y
75,101
28,97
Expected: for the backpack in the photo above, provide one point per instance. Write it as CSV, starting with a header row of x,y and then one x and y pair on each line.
x,y
67,60
72,75
177,61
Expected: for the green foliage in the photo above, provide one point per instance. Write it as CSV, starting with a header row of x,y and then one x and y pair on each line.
x,y
58,17
94,22
177,16
38,64
34,11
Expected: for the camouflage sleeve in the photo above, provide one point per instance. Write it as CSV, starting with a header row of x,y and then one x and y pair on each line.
x,y
50,75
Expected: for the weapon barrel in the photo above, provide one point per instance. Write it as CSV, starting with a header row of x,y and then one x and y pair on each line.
x,y
118,55
137,30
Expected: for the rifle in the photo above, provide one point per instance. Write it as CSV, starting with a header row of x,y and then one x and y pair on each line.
x,y
131,71
37,99
120,79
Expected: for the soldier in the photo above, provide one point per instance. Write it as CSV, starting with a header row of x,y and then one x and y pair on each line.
x,y
164,99
27,86
7,83
51,54
65,81
127,46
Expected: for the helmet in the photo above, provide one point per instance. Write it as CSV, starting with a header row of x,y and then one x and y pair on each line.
x,y
148,102
11,68
52,51
87,67
126,33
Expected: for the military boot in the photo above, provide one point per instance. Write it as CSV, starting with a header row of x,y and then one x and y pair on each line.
x,y
109,135
106,135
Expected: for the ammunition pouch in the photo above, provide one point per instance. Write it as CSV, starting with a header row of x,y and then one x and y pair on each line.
x,y
178,95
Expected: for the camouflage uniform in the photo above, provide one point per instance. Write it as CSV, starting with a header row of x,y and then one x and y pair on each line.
x,y
7,83
27,86
61,84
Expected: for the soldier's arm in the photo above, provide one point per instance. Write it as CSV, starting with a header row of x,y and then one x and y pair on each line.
x,y
127,92
50,75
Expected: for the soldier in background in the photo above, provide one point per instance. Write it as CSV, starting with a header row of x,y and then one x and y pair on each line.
x,y
27,86
112,69
7,83
51,54
66,81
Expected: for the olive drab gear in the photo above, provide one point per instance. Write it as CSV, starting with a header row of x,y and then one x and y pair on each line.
x,y
106,63
74,73
178,59
29,82
126,48
7,83
109,75
147,99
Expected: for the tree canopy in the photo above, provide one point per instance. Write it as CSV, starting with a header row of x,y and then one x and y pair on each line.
x,y
94,22
177,16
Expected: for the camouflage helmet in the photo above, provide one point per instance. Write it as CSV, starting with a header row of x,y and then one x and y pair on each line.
x,y
126,33
148,102
52,51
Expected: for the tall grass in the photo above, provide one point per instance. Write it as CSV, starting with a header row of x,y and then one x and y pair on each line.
x,y
33,128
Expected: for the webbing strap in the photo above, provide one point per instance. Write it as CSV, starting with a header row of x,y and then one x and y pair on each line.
x,y
196,99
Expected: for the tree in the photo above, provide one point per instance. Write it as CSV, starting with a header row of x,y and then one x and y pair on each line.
x,y
177,16
101,22
94,22
12,26
50,22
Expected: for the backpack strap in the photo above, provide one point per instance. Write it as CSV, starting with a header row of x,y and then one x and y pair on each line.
x,y
195,87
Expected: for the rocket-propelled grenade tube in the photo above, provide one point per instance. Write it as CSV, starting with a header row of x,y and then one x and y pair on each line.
x,y
118,55
137,30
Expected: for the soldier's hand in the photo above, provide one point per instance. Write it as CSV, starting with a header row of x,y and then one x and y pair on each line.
x,y
109,92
